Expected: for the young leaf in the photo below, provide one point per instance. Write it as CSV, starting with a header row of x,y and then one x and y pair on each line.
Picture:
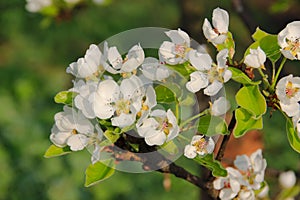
x,y
241,77
259,34
98,172
64,97
212,125
164,94
250,98
292,134
215,166
54,151
184,69
245,122
289,193
271,48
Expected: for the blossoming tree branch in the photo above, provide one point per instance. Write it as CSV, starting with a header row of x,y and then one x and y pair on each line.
x,y
141,111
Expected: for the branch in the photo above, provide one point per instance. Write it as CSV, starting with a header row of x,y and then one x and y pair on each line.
x,y
151,159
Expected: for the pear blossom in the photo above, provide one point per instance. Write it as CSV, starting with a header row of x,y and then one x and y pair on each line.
x,y
155,70
175,52
289,40
252,168
90,65
72,129
287,179
208,75
37,5
85,98
199,145
256,58
121,102
218,33
129,64
159,127
230,185
246,194
288,93
220,106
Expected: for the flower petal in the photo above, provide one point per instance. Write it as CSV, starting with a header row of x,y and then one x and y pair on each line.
x,y
198,81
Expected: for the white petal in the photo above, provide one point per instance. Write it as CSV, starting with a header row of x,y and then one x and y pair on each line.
x,y
108,91
227,75
179,37
59,138
208,31
158,139
190,151
200,61
114,57
198,81
210,147
148,127
77,142
96,154
159,113
219,183
222,58
213,88
227,194
242,162
220,20
220,106
123,120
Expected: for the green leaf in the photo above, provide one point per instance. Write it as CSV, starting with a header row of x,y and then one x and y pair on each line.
x,y
54,151
241,77
98,172
164,94
245,122
228,44
215,166
289,193
269,45
111,136
65,97
212,125
259,34
250,98
292,135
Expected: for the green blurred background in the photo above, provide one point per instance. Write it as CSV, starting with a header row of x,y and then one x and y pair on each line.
x,y
33,59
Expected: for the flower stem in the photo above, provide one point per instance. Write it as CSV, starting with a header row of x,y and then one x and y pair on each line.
x,y
277,73
264,77
194,117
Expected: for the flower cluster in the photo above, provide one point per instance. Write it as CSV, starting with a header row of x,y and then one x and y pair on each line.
x,y
119,91
288,93
243,180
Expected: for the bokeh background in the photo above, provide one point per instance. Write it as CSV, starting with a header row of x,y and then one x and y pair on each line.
x,y
34,55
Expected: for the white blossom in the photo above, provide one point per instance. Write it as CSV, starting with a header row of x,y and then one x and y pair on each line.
x,y
253,168
288,93
246,194
85,98
37,5
287,179
289,40
71,128
220,106
208,75
155,70
229,186
88,66
256,58
220,21
175,52
160,127
129,64
199,145
119,102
